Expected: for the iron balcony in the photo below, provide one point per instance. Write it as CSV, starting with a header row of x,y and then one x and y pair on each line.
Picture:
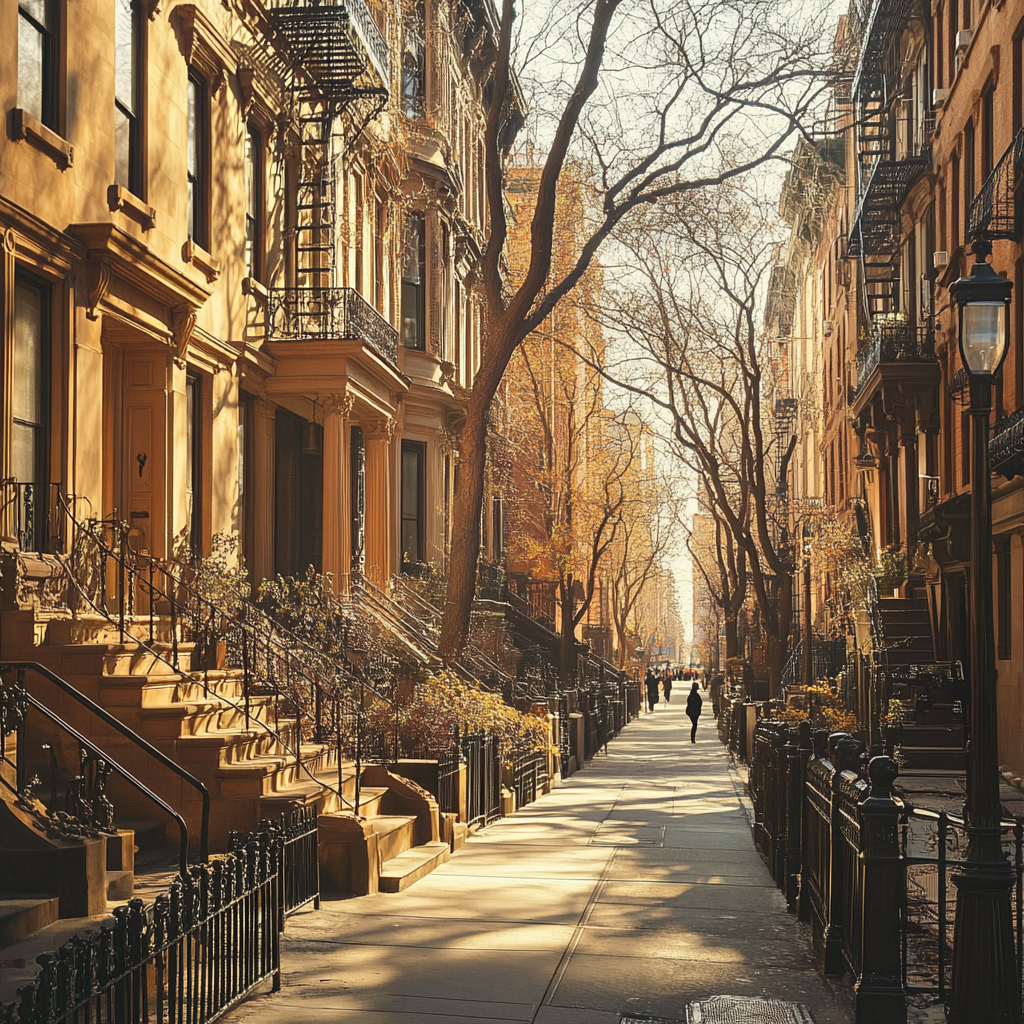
x,y
329,314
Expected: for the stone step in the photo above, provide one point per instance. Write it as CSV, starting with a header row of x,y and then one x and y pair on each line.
x,y
22,916
394,834
120,885
403,870
19,959
320,795
933,758
931,736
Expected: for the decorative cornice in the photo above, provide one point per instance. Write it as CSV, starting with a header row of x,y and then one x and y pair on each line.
x,y
340,403
202,46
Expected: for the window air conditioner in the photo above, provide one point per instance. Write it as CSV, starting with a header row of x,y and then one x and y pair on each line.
x,y
940,259
963,39
939,97
826,328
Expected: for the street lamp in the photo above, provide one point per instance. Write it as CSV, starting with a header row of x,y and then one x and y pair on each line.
x,y
985,983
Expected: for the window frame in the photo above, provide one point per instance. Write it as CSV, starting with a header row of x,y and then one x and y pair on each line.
x,y
419,450
255,196
420,293
197,158
135,174
42,429
49,114
1004,598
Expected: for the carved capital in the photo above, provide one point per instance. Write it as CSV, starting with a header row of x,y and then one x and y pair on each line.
x,y
340,404
380,430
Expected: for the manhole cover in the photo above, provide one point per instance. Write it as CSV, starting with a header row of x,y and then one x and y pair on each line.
x,y
744,1010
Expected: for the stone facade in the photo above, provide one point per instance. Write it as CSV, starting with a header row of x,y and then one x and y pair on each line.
x,y
236,296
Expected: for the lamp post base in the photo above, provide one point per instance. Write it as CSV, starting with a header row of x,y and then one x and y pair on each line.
x,y
986,989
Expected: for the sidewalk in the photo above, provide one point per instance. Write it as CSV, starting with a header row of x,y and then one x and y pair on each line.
x,y
633,889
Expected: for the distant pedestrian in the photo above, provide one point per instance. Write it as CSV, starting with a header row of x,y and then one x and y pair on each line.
x,y
693,706
666,686
652,690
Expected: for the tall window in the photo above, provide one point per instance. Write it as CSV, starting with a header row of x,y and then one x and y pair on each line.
x,y
969,157
253,202
357,457
194,461
414,284
127,105
988,159
414,458
30,408
414,65
37,60
198,185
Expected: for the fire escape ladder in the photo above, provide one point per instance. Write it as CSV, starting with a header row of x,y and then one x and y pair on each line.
x,y
340,69
884,175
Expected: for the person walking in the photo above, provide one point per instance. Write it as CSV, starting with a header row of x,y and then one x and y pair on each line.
x,y
693,706
717,686
652,690
666,686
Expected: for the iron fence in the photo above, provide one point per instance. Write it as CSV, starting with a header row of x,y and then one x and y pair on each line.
x,y
292,840
482,754
871,875
530,772
198,950
448,768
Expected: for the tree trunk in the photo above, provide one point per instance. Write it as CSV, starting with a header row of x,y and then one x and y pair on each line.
x,y
732,638
465,542
778,637
566,637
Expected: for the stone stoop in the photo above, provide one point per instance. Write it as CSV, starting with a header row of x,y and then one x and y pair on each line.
x,y
199,720
389,845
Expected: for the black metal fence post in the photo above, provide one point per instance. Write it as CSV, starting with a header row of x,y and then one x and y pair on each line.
x,y
798,740
879,993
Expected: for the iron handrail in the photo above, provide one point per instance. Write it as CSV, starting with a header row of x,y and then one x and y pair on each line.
x,y
23,666
125,633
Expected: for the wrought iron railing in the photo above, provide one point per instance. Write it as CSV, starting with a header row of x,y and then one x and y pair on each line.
x,y
529,776
1006,449
996,209
328,314
293,841
87,809
199,949
320,36
29,513
894,339
482,754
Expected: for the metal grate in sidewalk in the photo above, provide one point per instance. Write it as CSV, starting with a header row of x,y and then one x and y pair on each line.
x,y
734,1010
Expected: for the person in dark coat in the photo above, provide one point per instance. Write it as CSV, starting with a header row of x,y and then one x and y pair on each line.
x,y
666,687
652,690
693,706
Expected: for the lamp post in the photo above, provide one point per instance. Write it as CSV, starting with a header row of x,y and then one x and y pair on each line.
x,y
985,982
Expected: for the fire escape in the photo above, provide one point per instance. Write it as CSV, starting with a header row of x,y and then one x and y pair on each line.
x,y
892,152
341,74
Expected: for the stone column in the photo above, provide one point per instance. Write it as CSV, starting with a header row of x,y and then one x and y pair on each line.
x,y
337,409
263,491
378,434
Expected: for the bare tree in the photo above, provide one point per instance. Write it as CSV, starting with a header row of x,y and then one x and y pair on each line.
x,y
693,306
660,98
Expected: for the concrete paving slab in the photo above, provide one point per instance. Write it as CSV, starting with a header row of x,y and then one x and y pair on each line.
x,y
694,896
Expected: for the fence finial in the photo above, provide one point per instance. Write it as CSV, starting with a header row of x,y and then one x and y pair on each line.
x,y
882,772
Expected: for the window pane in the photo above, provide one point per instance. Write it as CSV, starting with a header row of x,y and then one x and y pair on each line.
x,y
410,541
31,45
410,483
122,148
412,249
124,54
25,451
28,354
193,114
